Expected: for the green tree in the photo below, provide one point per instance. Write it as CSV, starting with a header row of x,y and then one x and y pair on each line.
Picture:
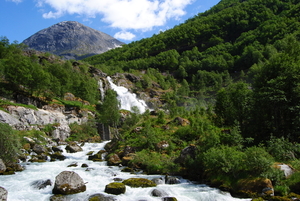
x,y
109,110
277,95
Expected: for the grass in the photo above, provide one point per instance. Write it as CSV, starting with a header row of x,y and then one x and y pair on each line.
x,y
78,104
5,103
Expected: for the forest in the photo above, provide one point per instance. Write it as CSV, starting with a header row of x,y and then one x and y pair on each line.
x,y
232,73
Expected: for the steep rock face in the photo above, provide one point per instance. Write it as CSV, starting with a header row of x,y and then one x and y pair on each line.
x,y
71,40
22,118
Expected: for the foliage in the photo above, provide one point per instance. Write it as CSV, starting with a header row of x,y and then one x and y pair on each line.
x,y
83,132
282,149
224,160
257,160
109,110
154,162
9,143
38,74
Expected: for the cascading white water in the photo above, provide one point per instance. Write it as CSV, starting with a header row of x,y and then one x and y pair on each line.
x,y
99,175
127,100
100,84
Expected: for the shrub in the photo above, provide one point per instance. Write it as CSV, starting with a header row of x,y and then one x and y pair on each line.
x,y
83,131
224,159
282,149
257,160
154,162
9,143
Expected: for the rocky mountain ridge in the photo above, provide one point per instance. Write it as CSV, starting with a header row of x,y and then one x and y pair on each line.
x,y
71,40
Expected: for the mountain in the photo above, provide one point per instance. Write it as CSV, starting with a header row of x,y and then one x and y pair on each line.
x,y
71,40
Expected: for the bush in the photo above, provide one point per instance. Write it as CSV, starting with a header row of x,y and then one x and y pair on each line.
x,y
258,160
154,162
282,149
83,131
9,143
224,159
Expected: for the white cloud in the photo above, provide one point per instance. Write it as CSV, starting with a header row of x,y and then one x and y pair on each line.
x,y
15,1
123,14
124,35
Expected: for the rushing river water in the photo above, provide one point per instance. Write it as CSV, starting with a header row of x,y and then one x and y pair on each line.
x,y
99,175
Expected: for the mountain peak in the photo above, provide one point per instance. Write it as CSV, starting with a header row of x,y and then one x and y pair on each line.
x,y
72,40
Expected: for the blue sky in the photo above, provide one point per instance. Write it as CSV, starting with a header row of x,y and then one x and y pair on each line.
x,y
126,20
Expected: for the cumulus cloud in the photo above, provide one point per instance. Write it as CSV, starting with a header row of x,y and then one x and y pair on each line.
x,y
124,35
122,14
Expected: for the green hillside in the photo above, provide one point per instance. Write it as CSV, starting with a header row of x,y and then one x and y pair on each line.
x,y
228,83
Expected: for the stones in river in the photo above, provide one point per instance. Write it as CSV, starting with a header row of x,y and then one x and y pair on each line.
x,y
68,182
115,188
3,194
139,182
40,184
72,147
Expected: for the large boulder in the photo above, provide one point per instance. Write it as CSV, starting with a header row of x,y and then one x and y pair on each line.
x,y
73,147
68,182
2,166
39,149
113,159
257,186
115,188
139,182
181,121
188,152
3,194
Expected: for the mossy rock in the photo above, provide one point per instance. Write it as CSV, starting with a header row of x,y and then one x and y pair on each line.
x,y
57,156
127,169
115,188
139,182
169,199
90,153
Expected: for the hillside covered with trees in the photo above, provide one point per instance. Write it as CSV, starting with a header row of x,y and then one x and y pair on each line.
x,y
228,80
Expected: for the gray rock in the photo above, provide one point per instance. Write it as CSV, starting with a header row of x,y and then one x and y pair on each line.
x,y
9,119
188,152
71,40
158,193
39,149
158,181
40,184
73,147
2,166
286,169
172,180
3,194
68,182
59,198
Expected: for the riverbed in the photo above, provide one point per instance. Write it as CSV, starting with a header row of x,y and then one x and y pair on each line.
x,y
97,175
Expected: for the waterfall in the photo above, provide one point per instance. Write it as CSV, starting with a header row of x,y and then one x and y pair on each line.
x,y
127,100
100,84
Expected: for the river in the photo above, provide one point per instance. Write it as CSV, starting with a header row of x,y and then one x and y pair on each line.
x,y
20,189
